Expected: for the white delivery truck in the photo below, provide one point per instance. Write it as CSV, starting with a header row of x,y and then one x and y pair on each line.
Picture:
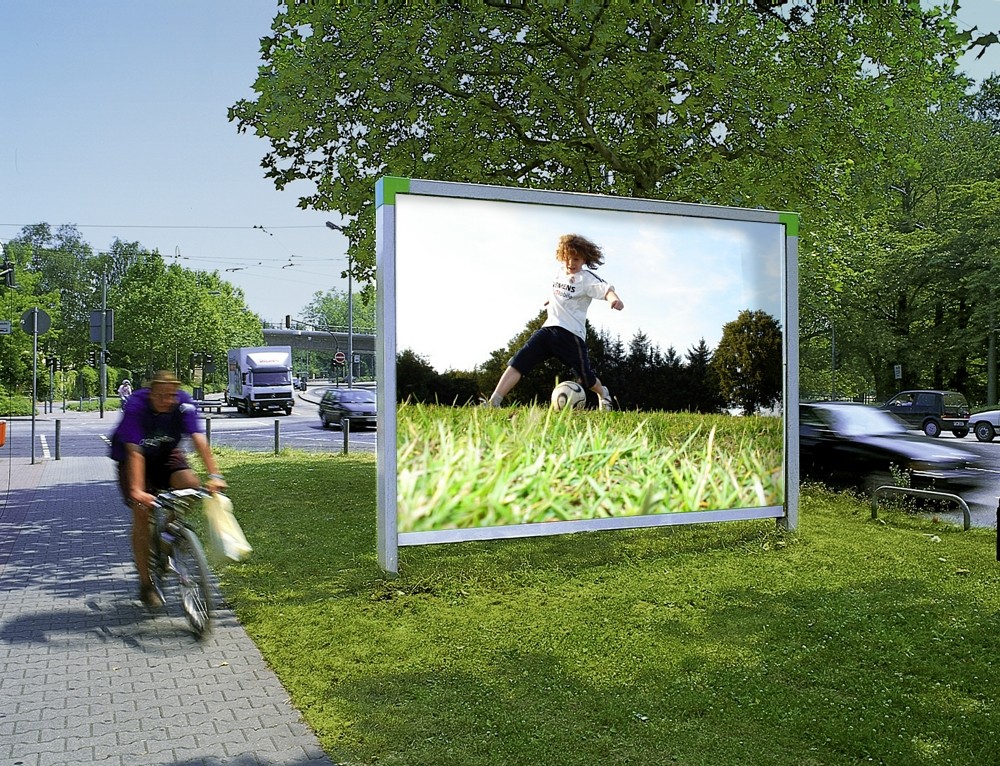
x,y
260,379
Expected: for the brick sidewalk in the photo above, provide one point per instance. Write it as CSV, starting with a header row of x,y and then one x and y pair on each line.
x,y
87,675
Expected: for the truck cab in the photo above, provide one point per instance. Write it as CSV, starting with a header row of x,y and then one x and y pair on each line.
x,y
260,380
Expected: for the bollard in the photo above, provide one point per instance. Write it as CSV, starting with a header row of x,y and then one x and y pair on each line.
x,y
58,432
277,438
208,431
345,426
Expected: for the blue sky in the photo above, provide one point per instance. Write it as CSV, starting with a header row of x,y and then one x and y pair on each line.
x,y
114,119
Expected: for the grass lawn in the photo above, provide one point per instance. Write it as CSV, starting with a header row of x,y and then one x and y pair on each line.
x,y
850,642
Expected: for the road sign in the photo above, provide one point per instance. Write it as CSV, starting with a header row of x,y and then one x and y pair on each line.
x,y
5,327
96,316
35,322
340,357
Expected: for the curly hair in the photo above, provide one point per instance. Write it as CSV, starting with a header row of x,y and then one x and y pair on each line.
x,y
574,244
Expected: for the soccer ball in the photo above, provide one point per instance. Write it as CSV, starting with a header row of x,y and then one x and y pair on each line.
x,y
568,395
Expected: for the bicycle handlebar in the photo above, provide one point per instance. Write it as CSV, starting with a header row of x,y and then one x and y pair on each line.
x,y
170,496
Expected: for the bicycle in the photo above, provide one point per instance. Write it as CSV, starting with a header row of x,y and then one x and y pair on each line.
x,y
174,548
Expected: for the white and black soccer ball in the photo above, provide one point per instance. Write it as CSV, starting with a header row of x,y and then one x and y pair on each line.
x,y
568,395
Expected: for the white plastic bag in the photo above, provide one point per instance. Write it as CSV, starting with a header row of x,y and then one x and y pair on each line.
x,y
225,537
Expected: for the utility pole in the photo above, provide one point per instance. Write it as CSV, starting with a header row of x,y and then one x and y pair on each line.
x,y
102,393
350,313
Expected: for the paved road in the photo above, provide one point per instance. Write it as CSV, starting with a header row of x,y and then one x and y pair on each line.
x,y
84,434
87,675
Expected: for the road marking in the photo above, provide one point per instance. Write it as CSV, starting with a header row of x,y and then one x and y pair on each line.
x,y
45,447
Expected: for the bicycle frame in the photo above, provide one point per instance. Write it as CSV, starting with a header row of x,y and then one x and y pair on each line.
x,y
174,549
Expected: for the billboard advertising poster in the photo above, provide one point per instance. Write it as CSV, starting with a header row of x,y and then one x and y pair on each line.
x,y
465,274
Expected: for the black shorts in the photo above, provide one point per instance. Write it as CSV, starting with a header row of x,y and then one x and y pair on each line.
x,y
157,473
560,343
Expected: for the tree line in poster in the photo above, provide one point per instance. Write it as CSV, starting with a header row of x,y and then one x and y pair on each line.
x,y
744,371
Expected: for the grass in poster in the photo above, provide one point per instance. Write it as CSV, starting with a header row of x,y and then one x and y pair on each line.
x,y
472,467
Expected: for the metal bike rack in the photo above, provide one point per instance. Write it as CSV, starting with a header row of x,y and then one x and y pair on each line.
x,y
928,493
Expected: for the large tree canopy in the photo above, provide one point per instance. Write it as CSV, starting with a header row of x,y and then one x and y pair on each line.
x,y
849,113
755,104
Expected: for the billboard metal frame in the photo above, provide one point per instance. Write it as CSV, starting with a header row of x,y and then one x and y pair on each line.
x,y
387,189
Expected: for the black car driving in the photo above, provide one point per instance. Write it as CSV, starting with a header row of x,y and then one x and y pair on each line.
x,y
931,411
843,444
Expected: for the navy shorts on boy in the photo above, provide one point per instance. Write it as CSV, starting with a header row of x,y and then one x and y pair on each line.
x,y
558,342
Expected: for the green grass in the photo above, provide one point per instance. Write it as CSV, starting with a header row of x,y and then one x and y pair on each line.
x,y
470,467
850,642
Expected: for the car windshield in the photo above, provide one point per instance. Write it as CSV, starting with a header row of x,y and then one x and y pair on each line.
x,y
357,395
857,421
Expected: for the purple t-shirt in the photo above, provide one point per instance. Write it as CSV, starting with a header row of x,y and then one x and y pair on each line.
x,y
157,434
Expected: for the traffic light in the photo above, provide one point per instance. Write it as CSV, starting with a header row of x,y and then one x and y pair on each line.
x,y
288,321
8,273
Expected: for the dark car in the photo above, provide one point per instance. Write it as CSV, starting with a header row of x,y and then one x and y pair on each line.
x,y
931,411
843,444
354,404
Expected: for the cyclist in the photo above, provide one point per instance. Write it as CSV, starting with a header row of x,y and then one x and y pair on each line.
x,y
146,447
125,391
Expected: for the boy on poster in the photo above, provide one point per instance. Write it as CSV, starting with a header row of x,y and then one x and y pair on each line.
x,y
564,333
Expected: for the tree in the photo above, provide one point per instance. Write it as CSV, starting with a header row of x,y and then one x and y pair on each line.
x,y
167,313
748,361
415,377
701,383
329,310
756,104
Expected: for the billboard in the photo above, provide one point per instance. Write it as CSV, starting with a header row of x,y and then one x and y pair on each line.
x,y
465,272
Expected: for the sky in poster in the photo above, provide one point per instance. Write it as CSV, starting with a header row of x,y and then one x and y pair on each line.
x,y
471,273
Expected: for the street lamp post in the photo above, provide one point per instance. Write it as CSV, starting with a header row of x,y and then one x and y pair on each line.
x,y
350,313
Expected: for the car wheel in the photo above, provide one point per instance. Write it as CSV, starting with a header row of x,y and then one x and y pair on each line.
x,y
931,428
961,433
985,432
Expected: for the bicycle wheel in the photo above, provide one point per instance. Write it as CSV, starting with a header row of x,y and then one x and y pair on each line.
x,y
191,566
157,561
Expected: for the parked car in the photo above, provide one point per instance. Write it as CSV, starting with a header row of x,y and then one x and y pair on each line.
x,y
844,444
985,424
932,411
339,405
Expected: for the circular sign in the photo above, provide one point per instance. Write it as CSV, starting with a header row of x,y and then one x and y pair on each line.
x,y
339,357
35,322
